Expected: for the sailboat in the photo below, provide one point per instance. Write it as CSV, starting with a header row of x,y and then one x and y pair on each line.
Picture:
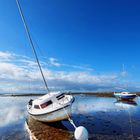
x,y
125,96
54,106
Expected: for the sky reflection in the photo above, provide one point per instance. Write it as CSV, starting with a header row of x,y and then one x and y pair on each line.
x,y
99,115
90,104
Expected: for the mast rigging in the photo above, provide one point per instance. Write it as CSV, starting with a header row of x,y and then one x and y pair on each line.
x,y
31,43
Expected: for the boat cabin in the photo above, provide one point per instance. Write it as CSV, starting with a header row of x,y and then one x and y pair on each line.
x,y
46,100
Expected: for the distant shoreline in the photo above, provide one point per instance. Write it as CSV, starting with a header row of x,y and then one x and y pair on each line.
x,y
99,94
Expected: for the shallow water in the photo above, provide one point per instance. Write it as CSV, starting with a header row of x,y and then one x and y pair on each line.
x,y
103,117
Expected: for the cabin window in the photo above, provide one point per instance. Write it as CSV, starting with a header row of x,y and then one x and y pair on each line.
x,y
36,107
46,104
60,96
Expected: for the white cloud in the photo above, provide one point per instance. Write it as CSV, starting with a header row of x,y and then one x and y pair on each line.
x,y
54,62
5,55
79,67
21,74
8,70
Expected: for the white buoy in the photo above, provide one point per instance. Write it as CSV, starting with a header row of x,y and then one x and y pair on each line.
x,y
81,133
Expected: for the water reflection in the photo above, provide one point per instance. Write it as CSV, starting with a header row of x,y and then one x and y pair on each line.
x,y
12,110
91,104
101,116
12,118
11,115
126,104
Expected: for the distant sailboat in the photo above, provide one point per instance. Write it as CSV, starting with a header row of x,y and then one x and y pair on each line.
x,y
125,96
54,106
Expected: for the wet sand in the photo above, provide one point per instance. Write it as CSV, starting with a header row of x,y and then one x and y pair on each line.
x,y
49,131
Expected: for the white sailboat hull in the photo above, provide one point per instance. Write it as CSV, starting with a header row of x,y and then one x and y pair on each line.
x,y
54,116
58,107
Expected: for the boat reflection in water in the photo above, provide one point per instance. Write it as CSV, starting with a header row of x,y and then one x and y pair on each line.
x,y
126,104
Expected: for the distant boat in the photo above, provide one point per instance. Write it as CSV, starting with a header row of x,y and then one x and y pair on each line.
x,y
125,96
54,106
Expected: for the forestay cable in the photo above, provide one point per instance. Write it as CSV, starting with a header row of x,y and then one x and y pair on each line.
x,y
31,43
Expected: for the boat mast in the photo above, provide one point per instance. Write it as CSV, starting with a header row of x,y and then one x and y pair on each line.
x,y
31,43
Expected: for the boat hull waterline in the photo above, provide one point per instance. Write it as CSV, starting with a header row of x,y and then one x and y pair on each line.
x,y
57,115
121,96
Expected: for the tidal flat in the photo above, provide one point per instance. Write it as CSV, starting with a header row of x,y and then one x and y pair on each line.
x,y
104,118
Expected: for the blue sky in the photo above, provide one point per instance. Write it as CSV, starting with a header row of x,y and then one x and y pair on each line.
x,y
82,45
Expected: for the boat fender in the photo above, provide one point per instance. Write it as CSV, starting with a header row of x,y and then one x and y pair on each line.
x,y
81,133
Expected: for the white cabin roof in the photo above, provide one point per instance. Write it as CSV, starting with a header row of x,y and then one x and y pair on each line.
x,y
46,97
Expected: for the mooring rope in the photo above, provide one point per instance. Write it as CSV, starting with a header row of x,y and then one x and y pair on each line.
x,y
130,121
69,118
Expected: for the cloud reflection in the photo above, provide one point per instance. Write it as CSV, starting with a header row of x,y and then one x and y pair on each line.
x,y
89,105
11,115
